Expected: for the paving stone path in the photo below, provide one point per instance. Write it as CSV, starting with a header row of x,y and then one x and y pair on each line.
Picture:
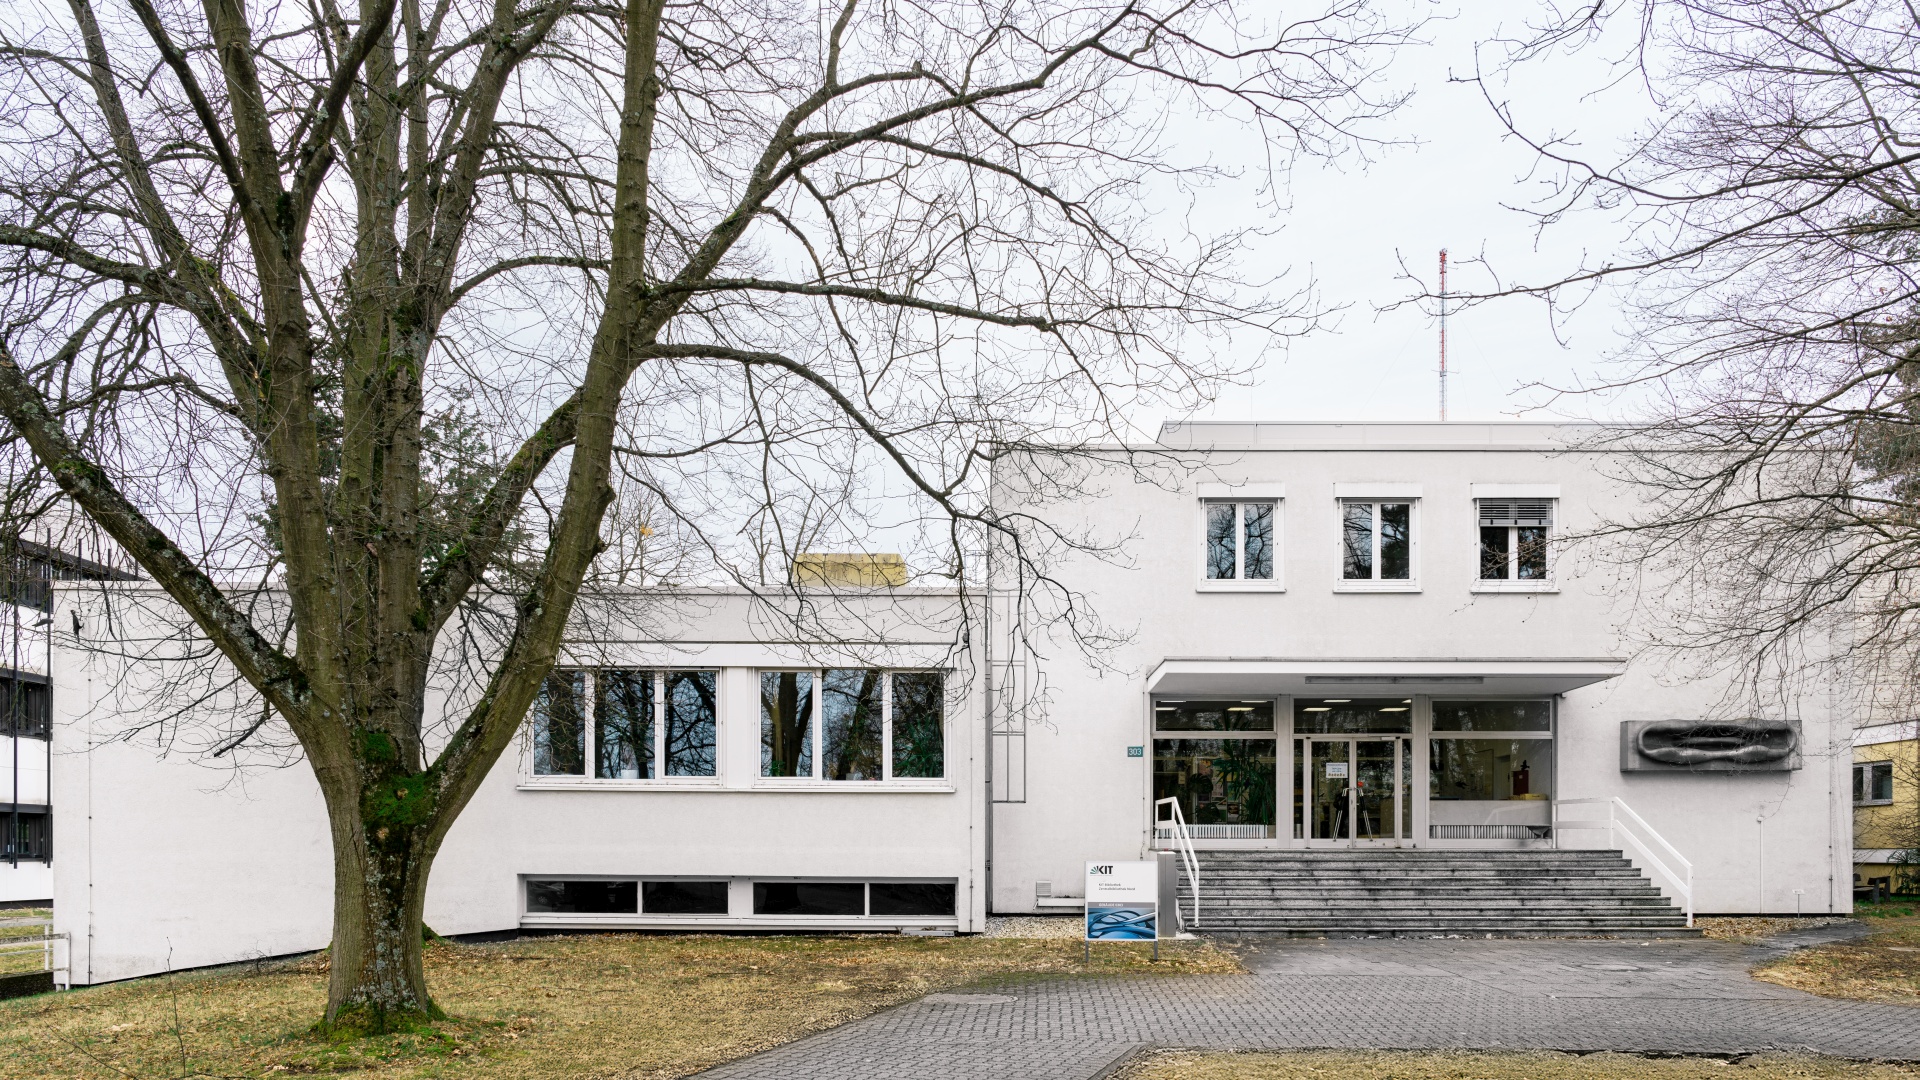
x,y
1662,996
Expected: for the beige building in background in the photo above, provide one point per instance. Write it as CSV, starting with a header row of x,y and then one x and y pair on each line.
x,y
1886,805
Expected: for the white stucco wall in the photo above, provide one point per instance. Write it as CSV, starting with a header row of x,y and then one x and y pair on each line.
x,y
25,881
1086,799
170,859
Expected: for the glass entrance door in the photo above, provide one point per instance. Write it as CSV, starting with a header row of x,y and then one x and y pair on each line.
x,y
1354,790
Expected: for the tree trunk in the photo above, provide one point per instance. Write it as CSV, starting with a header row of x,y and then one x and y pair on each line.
x,y
382,853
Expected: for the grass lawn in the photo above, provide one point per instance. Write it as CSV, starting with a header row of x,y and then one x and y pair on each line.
x,y
1882,967
1406,1065
585,1006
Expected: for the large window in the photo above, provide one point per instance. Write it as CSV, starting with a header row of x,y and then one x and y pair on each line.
x,y
1376,540
1217,757
643,725
1240,541
1513,538
1488,770
1873,783
851,724
1490,773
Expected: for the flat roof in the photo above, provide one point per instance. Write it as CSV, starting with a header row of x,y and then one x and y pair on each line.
x,y
1378,434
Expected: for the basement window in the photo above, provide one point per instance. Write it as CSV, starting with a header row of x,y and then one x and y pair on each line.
x,y
880,899
684,897
583,897
910,898
625,896
809,898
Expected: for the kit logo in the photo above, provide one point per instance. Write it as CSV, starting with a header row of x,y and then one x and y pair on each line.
x,y
1108,869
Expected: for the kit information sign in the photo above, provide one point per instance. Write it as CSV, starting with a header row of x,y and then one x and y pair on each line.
x,y
1123,901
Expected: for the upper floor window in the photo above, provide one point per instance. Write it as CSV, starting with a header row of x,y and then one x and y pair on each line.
x,y
1873,783
1513,538
1240,541
853,724
1376,540
26,836
642,725
25,706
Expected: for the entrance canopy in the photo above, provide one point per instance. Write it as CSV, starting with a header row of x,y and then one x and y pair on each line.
x,y
1324,678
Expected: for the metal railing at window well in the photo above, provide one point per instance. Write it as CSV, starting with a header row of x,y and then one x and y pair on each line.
x,y
33,948
1629,833
1173,829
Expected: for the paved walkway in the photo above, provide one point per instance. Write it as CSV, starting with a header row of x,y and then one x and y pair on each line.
x,y
1663,996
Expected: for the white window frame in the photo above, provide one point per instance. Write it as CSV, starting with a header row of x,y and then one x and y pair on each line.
x,y
1549,493
1240,495
1376,494
591,737
1867,767
816,729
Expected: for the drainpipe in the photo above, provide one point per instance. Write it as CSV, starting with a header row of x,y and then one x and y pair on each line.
x,y
986,734
13,709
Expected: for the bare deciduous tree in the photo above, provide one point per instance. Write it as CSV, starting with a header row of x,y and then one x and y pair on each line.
x,y
377,308
1774,351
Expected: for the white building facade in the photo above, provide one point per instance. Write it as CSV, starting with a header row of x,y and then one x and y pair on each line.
x,y
1394,601
1328,636
29,566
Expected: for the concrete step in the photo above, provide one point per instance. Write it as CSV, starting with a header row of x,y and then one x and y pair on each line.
x,y
1410,881
1425,892
1391,890
1461,932
1391,903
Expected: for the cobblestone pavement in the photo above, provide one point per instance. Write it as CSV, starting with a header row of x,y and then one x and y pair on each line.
x,y
1662,996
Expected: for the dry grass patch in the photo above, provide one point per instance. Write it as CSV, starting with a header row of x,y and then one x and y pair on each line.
x,y
1756,927
1408,1065
1883,967
587,1006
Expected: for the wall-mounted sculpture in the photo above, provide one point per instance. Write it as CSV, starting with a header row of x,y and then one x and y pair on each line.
x,y
1748,745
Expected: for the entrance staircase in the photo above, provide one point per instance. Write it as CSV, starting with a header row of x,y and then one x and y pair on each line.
x,y
1427,893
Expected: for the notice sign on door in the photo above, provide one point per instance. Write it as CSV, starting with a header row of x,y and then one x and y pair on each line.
x,y
1336,770
1123,901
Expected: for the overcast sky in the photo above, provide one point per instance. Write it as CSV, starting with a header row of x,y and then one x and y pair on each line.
x,y
1350,227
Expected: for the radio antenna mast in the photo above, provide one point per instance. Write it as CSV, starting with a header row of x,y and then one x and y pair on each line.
x,y
1443,334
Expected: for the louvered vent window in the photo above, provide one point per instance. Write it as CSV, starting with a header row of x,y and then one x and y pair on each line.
x,y
1513,539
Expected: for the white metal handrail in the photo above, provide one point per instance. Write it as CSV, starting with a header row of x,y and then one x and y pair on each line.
x,y
1621,823
45,944
1183,846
